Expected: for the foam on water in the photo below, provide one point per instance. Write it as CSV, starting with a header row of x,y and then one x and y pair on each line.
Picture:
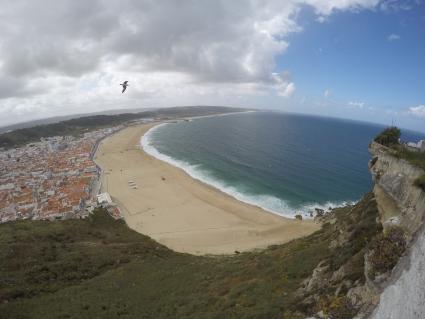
x,y
269,203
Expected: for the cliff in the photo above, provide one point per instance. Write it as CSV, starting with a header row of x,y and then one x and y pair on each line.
x,y
383,238
400,203
404,297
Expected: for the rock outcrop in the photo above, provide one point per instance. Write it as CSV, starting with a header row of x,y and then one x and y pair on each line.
x,y
367,241
404,297
399,201
337,288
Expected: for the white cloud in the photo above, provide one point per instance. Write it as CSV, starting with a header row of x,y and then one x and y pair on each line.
x,y
70,56
287,90
327,7
321,19
393,37
396,6
327,93
418,111
359,105
283,86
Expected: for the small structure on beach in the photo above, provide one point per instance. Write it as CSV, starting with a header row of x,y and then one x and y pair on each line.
x,y
132,184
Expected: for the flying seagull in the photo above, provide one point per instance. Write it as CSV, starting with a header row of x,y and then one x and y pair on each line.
x,y
124,86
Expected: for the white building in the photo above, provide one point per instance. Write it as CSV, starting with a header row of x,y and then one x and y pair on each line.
x,y
419,146
104,198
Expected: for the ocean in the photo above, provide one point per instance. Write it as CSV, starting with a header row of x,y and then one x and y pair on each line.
x,y
287,164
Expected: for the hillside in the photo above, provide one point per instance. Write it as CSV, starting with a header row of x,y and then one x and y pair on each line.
x,y
80,125
98,268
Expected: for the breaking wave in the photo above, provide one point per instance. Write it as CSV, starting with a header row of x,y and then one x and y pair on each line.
x,y
269,203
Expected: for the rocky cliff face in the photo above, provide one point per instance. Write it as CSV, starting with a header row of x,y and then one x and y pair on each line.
x,y
399,201
338,286
371,239
405,296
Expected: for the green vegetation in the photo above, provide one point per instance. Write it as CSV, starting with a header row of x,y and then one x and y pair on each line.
x,y
350,230
40,256
98,268
414,158
420,182
386,250
72,127
389,136
361,227
339,307
81,125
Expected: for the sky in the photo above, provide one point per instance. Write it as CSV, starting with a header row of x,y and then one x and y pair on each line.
x,y
355,59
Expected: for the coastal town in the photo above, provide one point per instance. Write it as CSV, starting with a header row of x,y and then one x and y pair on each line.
x,y
55,178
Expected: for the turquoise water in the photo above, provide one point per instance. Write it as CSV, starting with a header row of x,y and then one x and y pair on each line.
x,y
284,163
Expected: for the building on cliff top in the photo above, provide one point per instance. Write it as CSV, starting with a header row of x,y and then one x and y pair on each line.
x,y
419,146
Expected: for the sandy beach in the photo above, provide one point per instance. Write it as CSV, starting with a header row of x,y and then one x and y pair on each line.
x,y
181,212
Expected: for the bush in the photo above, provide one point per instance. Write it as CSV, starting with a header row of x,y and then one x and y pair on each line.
x,y
389,136
341,308
420,182
337,307
386,250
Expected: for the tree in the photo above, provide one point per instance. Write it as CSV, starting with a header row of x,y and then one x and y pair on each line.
x,y
389,136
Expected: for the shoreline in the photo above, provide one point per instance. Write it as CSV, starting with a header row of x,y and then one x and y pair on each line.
x,y
305,211
181,212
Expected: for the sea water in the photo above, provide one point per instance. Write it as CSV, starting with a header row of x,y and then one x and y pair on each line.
x,y
284,163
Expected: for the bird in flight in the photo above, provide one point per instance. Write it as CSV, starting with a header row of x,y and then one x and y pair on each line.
x,y
124,86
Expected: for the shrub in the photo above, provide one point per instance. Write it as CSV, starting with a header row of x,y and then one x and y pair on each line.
x,y
389,136
420,182
386,250
337,307
341,308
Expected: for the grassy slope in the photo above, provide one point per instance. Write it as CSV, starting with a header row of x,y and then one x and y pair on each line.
x,y
98,268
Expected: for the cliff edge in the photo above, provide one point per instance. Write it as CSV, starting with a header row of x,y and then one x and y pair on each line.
x,y
383,240
400,203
